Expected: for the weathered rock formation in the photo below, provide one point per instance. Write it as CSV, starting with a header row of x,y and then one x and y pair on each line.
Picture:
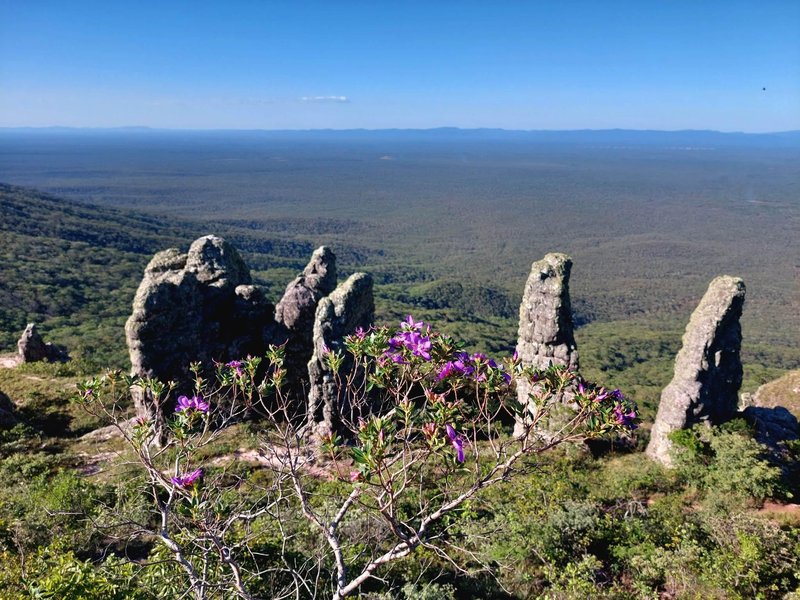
x,y
294,316
348,307
545,320
708,368
32,348
199,306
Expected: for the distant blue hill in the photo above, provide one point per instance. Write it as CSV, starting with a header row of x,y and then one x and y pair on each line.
x,y
617,137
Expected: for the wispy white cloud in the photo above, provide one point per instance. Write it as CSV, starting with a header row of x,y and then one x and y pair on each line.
x,y
325,99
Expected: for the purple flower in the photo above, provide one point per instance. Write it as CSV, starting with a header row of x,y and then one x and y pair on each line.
x,y
396,343
360,333
447,370
410,324
419,345
457,442
462,364
188,480
626,419
195,403
581,388
412,341
235,365
397,358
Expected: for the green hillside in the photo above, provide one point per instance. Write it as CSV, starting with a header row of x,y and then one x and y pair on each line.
x,y
74,268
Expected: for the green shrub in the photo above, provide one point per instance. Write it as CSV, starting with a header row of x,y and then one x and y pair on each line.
x,y
726,464
60,575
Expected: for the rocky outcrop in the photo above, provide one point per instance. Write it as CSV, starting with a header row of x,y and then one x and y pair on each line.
x,y
783,391
348,307
294,316
772,413
708,368
772,426
32,348
200,306
545,334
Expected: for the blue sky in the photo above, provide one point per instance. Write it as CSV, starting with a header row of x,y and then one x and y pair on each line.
x,y
646,64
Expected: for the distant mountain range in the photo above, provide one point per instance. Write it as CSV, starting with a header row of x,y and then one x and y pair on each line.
x,y
690,137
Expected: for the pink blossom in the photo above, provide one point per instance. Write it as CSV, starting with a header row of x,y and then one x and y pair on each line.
x,y
188,480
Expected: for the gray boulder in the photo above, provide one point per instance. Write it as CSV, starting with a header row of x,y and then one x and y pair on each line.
x,y
32,348
708,368
294,316
545,334
200,306
348,307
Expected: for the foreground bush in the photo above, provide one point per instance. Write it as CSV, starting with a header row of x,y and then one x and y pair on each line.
x,y
422,430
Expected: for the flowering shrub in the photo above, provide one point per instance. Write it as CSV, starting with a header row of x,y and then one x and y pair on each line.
x,y
424,428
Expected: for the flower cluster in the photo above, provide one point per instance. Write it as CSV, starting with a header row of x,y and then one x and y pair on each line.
x,y
236,365
626,419
613,402
194,404
477,366
413,338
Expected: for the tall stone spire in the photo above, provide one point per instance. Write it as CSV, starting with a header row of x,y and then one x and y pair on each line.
x,y
708,368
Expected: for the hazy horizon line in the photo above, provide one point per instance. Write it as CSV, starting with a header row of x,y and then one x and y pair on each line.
x,y
381,129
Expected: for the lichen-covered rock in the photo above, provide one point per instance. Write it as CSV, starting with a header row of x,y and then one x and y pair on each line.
x,y
294,316
708,368
545,334
348,307
217,264
199,306
32,348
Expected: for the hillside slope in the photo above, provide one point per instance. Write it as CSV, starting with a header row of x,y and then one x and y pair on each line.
x,y
73,268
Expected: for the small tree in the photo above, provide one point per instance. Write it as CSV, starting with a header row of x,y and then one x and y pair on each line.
x,y
424,428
